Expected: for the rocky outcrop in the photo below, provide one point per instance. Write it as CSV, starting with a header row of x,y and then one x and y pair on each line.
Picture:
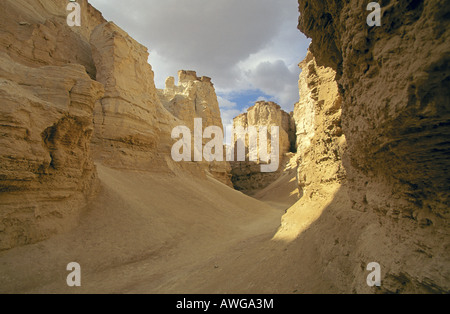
x,y
195,97
134,120
47,93
35,33
395,111
247,176
320,141
72,95
132,128
46,170
392,207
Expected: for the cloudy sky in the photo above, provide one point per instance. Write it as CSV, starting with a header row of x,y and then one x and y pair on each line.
x,y
250,48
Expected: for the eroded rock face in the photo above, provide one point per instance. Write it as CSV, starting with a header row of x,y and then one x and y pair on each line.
x,y
46,168
47,98
195,97
131,125
247,176
320,141
35,33
65,90
394,82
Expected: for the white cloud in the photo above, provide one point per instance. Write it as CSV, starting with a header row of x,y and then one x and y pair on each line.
x,y
274,78
229,114
231,41
229,110
225,103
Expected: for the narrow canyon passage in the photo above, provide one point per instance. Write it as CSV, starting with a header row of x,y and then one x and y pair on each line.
x,y
91,169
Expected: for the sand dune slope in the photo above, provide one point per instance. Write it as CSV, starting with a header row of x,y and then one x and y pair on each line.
x,y
283,192
145,232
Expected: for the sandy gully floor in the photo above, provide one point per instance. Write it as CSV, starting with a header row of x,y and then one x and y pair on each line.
x,y
154,233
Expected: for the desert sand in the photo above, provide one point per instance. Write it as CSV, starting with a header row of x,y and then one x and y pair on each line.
x,y
140,235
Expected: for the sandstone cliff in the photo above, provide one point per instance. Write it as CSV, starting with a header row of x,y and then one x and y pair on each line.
x,y
46,166
320,141
65,90
247,176
393,80
48,96
195,97
35,33
372,129
392,205
131,125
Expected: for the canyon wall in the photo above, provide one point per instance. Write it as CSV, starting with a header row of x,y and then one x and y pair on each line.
x,y
247,176
390,200
192,98
393,80
320,140
47,94
132,128
35,33
73,96
372,129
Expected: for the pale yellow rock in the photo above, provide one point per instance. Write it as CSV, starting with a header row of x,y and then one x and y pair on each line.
x,y
132,128
390,207
320,140
46,167
267,114
195,97
247,176
35,33
383,198
47,100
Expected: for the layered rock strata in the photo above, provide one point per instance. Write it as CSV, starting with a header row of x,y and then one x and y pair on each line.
x,y
132,128
47,170
72,95
247,176
392,206
35,33
48,95
195,98
320,140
